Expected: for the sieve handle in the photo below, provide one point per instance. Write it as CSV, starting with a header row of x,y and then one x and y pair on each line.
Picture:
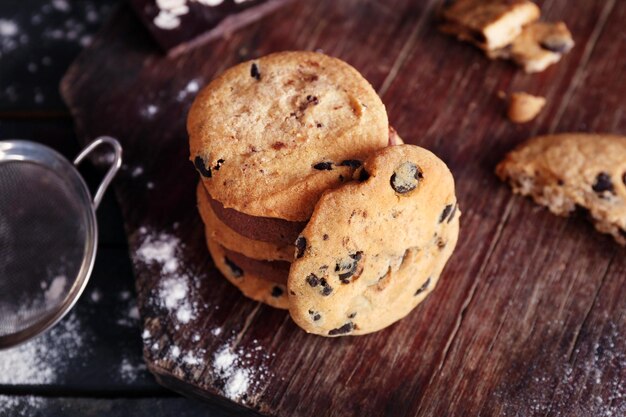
x,y
115,164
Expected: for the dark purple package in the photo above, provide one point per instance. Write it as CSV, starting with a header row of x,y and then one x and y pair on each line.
x,y
179,24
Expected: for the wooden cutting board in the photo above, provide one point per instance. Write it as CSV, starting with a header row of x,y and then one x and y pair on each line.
x,y
529,316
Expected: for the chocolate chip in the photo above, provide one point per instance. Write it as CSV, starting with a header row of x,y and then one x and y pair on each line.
x,y
441,243
319,125
352,163
300,246
560,182
346,328
445,213
292,292
325,237
406,178
254,72
624,178
323,166
603,183
341,178
218,165
352,315
314,315
453,213
277,291
313,100
346,268
424,287
478,36
198,162
313,280
557,44
582,211
363,175
326,289
234,269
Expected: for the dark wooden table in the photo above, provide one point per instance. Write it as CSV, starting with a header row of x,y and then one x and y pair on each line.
x,y
96,367
536,319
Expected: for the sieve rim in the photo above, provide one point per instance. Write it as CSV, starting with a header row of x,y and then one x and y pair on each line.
x,y
19,150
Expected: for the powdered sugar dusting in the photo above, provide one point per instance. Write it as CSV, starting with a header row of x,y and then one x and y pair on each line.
x,y
594,370
173,292
56,289
20,405
130,371
43,359
236,370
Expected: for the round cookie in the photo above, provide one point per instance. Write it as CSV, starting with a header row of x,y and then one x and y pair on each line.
x,y
572,171
251,285
278,233
373,249
287,125
225,236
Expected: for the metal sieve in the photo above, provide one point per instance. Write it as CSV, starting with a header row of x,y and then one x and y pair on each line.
x,y
48,235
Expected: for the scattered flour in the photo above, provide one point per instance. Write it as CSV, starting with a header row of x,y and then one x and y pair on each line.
x,y
216,331
137,171
130,371
149,111
56,290
236,370
191,88
20,405
61,5
43,359
95,295
8,28
174,290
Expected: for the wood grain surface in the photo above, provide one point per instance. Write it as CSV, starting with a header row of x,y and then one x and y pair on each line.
x,y
529,317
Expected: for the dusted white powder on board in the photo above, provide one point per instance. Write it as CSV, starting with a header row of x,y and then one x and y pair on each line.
x,y
235,369
174,290
160,249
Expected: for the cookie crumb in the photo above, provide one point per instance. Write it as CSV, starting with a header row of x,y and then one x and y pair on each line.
x,y
524,107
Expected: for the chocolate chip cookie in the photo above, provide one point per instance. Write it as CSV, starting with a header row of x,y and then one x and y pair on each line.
x,y
375,247
571,171
230,239
539,45
270,135
488,24
258,280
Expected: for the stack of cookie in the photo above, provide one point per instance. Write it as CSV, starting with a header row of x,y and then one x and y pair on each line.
x,y
508,29
310,201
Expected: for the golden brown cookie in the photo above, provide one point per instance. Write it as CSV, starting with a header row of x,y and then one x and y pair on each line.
x,y
251,284
573,170
227,237
488,24
270,135
374,248
539,45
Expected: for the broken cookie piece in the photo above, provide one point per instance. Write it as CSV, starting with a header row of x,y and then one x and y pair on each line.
x,y
488,24
539,45
570,172
524,107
